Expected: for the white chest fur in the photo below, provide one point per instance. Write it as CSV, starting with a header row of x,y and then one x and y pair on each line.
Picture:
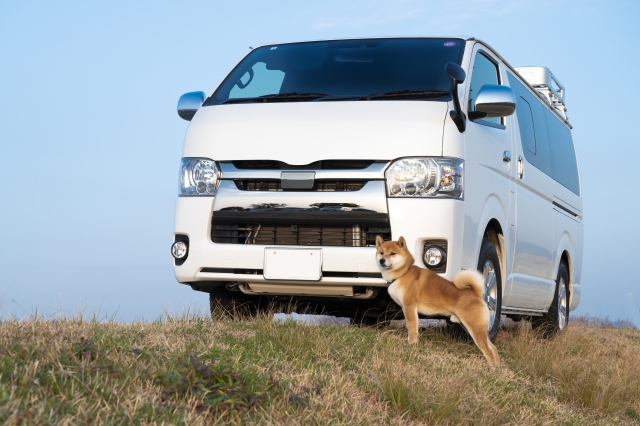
x,y
396,293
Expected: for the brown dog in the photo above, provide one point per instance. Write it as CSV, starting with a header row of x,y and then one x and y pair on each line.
x,y
419,290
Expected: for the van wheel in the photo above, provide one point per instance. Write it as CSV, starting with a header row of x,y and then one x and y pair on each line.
x,y
557,317
489,267
231,304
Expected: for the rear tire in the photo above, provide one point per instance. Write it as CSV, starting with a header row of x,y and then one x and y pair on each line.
x,y
489,267
556,319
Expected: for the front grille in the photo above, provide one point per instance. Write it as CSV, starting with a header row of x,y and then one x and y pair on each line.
x,y
300,235
318,185
318,165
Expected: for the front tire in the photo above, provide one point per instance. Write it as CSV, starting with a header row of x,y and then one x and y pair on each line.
x,y
231,304
556,319
489,267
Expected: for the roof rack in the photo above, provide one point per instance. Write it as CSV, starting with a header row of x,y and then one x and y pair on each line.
x,y
543,80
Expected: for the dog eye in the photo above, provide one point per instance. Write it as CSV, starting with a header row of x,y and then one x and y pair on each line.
x,y
381,253
392,254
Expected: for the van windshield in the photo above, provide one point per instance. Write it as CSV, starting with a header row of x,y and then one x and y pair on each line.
x,y
368,69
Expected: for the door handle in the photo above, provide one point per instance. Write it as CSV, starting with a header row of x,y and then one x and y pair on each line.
x,y
520,168
506,156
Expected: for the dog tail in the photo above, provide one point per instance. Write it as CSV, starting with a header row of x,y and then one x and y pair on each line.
x,y
470,279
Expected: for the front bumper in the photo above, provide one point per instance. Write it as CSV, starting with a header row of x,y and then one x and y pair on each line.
x,y
344,268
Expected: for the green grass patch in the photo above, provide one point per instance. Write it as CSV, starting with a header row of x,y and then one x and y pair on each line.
x,y
193,370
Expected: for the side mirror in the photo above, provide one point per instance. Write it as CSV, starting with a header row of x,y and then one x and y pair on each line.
x,y
494,101
189,103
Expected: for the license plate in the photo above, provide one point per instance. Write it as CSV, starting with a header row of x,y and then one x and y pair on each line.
x,y
292,264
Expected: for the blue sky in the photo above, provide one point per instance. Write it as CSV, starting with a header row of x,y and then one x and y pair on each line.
x,y
91,142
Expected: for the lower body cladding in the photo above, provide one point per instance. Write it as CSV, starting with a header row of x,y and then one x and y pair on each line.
x,y
347,268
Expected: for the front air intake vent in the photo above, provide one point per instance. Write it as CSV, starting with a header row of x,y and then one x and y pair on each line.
x,y
300,235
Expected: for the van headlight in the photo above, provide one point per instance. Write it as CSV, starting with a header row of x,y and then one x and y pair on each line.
x,y
198,176
426,177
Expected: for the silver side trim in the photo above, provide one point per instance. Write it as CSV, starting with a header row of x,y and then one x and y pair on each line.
x,y
523,311
371,197
563,206
373,172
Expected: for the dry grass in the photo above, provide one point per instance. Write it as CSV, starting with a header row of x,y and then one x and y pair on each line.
x,y
193,370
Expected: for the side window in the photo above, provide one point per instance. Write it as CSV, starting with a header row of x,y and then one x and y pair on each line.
x,y
257,81
546,144
535,141
485,71
564,166
525,122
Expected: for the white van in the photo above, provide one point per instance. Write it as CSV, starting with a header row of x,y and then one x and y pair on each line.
x,y
306,151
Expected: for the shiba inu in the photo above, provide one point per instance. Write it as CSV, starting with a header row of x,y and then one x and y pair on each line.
x,y
419,290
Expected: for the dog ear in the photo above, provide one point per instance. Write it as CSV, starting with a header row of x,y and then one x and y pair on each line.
x,y
379,241
402,243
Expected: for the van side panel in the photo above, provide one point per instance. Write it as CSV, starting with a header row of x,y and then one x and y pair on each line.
x,y
532,274
549,202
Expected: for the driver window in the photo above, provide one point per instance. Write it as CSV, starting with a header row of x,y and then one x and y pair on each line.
x,y
258,81
484,72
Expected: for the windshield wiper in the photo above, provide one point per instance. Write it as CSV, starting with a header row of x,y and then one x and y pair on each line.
x,y
241,100
341,98
293,95
277,97
313,96
409,94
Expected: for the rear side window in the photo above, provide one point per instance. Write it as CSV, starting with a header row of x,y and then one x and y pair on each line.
x,y
546,141
564,166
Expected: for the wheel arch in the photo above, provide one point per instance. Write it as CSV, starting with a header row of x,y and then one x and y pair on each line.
x,y
493,231
564,254
491,224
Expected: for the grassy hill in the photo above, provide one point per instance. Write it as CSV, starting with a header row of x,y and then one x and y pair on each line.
x,y
194,371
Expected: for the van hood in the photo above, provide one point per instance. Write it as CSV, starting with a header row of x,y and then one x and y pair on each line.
x,y
300,133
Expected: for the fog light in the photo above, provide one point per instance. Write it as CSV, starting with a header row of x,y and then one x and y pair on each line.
x,y
434,256
179,249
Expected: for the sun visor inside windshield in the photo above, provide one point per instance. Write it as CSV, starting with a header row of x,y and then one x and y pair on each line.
x,y
358,54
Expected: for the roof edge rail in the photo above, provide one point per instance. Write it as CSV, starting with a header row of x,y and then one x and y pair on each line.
x,y
547,84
